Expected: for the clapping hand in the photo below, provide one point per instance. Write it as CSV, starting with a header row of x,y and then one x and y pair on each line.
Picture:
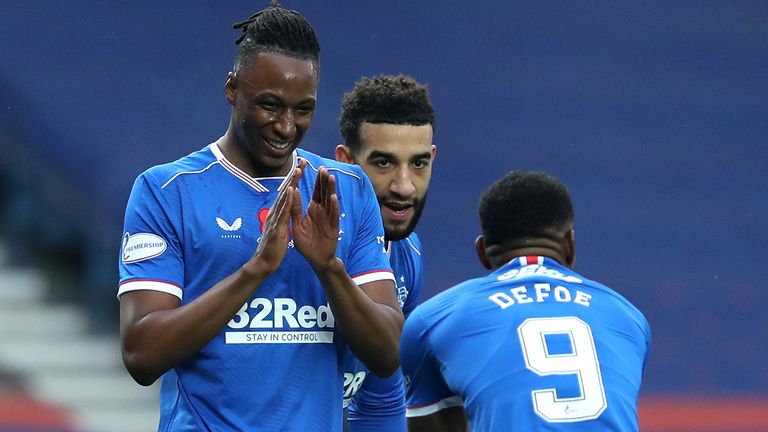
x,y
276,233
316,233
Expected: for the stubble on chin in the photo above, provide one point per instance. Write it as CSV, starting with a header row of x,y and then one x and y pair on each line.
x,y
399,231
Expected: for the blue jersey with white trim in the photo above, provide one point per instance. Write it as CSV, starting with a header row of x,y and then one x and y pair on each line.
x,y
378,404
533,346
277,365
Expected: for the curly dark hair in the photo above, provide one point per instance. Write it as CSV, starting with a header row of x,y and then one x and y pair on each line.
x,y
384,99
279,30
524,205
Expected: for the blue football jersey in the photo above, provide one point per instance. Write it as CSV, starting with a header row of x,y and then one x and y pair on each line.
x,y
378,404
533,346
277,365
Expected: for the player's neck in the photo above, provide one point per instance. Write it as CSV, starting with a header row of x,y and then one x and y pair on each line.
x,y
560,247
238,156
500,258
388,242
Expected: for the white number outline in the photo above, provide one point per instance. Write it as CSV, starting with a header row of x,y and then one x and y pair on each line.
x,y
592,401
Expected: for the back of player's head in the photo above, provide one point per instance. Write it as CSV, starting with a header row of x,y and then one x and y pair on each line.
x,y
279,30
388,99
524,205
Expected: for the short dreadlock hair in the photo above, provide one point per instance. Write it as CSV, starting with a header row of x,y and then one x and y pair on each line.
x,y
384,99
275,29
524,205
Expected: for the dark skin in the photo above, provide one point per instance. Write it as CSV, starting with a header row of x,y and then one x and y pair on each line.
x,y
560,245
273,100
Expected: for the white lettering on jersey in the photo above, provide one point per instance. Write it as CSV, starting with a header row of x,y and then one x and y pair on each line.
x,y
290,242
537,270
542,292
352,383
281,313
142,246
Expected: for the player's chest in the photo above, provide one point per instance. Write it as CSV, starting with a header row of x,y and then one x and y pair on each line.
x,y
226,222
405,274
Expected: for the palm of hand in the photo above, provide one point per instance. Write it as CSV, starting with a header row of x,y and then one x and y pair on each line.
x,y
316,233
275,236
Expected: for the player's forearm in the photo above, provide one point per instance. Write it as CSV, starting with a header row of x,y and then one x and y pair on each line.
x,y
372,330
154,342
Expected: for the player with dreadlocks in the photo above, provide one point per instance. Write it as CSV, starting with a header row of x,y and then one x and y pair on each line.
x,y
250,266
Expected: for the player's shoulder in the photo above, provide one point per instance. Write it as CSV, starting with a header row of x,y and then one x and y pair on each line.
x,y
414,242
194,163
410,245
444,304
343,172
620,302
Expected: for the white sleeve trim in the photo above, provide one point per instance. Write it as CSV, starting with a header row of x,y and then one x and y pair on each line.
x,y
373,277
150,285
426,410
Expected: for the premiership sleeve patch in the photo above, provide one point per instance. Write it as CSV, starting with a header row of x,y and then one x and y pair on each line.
x,y
142,246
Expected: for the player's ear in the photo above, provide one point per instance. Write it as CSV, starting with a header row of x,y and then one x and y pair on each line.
x,y
230,88
434,152
570,248
344,154
480,249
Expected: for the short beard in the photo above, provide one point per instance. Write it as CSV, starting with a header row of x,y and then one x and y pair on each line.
x,y
399,234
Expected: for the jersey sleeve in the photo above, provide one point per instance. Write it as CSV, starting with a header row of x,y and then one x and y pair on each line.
x,y
418,275
379,405
426,390
367,260
151,257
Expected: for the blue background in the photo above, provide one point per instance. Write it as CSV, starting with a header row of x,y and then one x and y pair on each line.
x,y
655,114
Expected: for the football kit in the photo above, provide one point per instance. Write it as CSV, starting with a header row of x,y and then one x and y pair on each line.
x,y
378,404
533,346
277,365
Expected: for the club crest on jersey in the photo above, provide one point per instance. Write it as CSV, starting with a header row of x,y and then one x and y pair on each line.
x,y
402,295
402,292
230,228
142,246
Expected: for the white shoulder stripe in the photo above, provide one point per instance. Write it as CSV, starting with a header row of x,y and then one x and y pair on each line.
x,y
188,172
351,174
426,410
413,246
150,285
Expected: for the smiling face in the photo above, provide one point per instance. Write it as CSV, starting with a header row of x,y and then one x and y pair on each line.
x,y
398,160
273,100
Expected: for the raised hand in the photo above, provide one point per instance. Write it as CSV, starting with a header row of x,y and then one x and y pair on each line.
x,y
276,234
316,233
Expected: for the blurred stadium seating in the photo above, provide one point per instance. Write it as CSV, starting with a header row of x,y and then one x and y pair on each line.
x,y
55,375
